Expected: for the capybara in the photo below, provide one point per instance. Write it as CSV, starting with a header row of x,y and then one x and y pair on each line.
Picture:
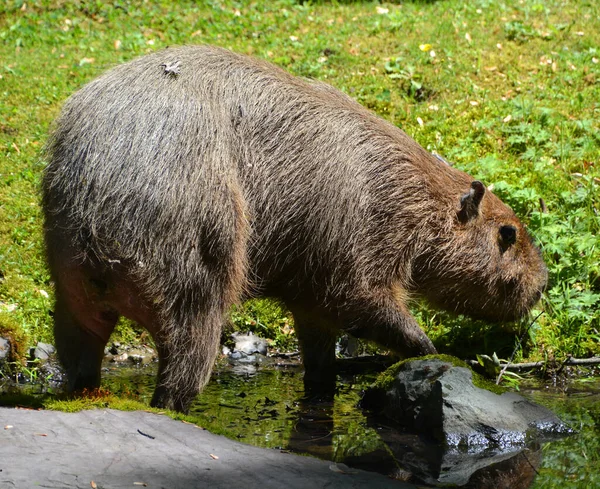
x,y
193,178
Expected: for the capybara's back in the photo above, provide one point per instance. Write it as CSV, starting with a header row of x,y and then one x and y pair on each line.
x,y
192,178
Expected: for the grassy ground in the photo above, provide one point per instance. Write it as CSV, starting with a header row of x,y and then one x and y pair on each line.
x,y
509,91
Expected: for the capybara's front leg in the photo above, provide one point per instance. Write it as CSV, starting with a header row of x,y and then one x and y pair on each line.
x,y
316,338
391,325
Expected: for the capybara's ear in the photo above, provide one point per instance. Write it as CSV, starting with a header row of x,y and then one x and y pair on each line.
x,y
469,202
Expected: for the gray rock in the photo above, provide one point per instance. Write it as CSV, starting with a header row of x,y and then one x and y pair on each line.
x,y
457,433
4,349
139,355
439,400
117,449
122,357
249,344
43,351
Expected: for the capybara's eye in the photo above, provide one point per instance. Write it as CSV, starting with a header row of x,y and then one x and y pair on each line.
x,y
508,235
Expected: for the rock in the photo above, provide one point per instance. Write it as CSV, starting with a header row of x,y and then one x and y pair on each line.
x,y
138,355
120,358
4,349
141,355
435,398
43,351
348,346
456,433
249,344
426,462
113,450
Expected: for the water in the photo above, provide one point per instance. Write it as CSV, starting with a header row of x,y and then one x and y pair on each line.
x,y
267,408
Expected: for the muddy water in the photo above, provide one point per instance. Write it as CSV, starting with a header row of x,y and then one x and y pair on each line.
x,y
267,408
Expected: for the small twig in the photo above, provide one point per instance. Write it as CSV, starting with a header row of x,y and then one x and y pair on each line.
x,y
519,341
146,435
533,365
563,365
285,355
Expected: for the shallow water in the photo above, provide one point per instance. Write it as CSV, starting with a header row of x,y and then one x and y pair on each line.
x,y
266,407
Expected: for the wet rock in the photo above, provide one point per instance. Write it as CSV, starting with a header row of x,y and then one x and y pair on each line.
x,y
439,400
138,355
4,349
248,353
347,346
248,344
122,357
141,356
43,351
413,459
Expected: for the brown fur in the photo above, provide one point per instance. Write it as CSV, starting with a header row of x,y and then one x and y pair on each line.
x,y
171,194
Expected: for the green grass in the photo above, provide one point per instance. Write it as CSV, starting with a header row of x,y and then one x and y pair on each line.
x,y
509,91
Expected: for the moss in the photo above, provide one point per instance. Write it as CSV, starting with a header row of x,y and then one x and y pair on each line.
x,y
385,379
95,399
13,332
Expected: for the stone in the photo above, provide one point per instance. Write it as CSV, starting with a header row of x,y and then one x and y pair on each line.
x,y
249,344
43,351
117,450
4,349
448,431
437,399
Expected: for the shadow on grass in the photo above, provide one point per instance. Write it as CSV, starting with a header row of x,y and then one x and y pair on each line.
x,y
21,400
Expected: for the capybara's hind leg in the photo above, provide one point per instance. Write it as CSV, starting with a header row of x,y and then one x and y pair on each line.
x,y
81,332
187,349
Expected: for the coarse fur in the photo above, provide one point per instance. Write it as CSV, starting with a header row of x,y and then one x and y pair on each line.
x,y
171,194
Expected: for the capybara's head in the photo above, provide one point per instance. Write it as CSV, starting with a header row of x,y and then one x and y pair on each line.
x,y
481,261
